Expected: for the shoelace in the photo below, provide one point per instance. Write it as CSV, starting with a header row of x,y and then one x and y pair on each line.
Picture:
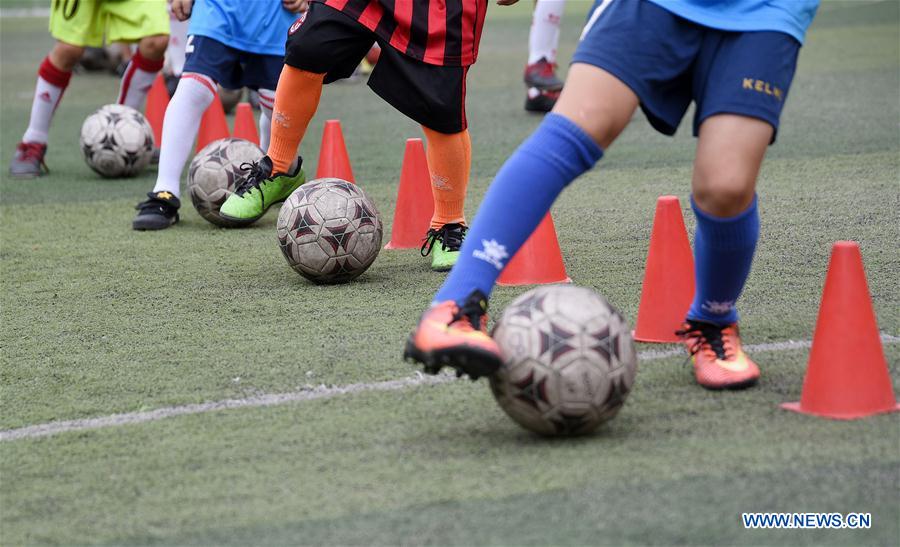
x,y
706,335
255,175
450,235
33,151
472,311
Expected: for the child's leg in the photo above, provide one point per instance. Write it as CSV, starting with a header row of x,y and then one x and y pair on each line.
x,y
593,109
180,126
543,38
53,78
142,70
730,151
449,161
266,103
296,101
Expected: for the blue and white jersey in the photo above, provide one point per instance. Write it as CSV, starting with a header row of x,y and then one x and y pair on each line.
x,y
789,16
254,26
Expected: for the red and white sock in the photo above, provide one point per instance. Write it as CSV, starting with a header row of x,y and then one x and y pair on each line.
x,y
266,103
544,37
137,80
180,126
51,84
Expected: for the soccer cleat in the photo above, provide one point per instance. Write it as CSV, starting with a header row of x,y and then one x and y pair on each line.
x,y
260,190
158,212
719,360
28,162
542,75
455,336
444,256
540,100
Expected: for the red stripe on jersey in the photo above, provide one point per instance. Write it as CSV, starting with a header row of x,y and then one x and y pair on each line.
x,y
436,44
470,11
338,4
371,16
403,10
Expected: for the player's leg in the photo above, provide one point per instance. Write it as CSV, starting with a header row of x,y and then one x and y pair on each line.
x,y
142,69
266,106
594,108
53,78
449,162
208,62
746,81
543,40
325,47
730,151
74,25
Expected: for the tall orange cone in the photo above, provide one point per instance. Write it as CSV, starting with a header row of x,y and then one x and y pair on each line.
x,y
157,102
333,158
245,124
212,125
539,261
412,214
847,375
668,278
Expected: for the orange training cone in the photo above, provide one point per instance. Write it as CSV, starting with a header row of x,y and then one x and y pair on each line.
x,y
668,278
539,261
412,214
333,158
847,375
212,125
157,102
245,124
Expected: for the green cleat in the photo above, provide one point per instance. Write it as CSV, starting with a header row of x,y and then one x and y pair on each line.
x,y
260,190
444,256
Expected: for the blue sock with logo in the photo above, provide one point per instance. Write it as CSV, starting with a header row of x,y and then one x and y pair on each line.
x,y
723,254
518,198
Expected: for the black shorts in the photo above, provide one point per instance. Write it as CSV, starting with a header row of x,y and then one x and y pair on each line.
x,y
332,43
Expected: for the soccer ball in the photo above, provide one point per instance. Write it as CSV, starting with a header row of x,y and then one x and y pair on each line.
x,y
117,141
329,230
214,174
568,360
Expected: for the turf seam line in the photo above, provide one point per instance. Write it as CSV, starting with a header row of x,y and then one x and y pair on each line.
x,y
321,392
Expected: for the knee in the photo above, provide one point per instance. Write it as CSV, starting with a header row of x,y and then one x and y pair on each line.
x,y
65,56
154,47
724,193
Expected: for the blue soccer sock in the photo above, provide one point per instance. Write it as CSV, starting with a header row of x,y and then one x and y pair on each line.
x,y
521,194
723,254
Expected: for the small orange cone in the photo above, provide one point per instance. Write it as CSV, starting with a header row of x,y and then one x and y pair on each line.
x,y
333,158
847,375
539,261
245,124
668,278
157,102
212,125
412,214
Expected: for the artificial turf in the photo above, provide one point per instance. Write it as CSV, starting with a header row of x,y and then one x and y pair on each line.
x,y
99,319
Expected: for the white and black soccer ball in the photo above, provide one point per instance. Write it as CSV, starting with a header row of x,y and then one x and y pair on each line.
x,y
329,230
569,360
214,174
117,141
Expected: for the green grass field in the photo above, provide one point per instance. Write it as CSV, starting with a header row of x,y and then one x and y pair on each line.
x,y
98,319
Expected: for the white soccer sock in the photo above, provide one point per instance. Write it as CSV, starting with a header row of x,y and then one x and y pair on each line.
x,y
182,122
51,83
137,80
266,102
544,37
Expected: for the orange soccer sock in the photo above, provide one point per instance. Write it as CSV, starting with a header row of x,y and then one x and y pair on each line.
x,y
449,161
296,101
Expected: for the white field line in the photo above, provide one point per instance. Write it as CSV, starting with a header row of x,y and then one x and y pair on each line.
x,y
321,392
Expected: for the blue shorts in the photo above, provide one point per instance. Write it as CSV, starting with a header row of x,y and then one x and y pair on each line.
x,y
669,61
229,67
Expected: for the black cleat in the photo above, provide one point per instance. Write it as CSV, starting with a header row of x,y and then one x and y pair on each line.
x,y
538,100
157,213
